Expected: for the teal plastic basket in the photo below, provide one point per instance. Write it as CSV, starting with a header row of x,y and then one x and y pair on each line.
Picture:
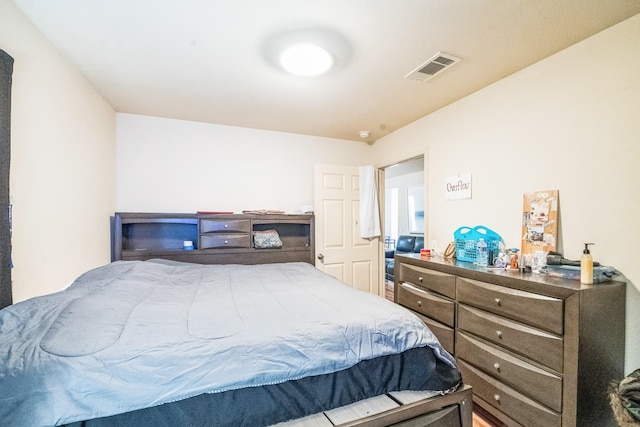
x,y
466,241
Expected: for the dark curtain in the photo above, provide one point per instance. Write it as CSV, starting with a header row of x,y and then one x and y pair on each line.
x,y
6,70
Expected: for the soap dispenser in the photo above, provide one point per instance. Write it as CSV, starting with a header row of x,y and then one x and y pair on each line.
x,y
586,266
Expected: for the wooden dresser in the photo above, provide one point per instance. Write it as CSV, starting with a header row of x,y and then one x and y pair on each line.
x,y
537,351
217,239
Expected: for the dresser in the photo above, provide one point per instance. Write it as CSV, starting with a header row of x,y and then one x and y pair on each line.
x,y
538,351
216,238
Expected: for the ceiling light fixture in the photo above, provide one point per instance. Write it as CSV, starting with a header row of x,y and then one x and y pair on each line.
x,y
306,59
309,52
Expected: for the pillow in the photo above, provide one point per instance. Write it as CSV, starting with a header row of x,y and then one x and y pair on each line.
x,y
266,239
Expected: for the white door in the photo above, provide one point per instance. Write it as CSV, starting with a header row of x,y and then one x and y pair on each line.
x,y
339,249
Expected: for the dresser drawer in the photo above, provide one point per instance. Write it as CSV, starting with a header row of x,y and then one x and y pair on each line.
x,y
222,225
532,343
532,381
223,240
441,283
533,309
515,405
444,333
427,303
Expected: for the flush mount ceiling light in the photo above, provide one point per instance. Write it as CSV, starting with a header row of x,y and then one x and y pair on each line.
x,y
309,52
306,59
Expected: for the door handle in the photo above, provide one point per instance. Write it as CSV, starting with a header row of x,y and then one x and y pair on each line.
x,y
321,258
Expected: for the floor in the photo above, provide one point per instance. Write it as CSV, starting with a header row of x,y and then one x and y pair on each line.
x,y
478,421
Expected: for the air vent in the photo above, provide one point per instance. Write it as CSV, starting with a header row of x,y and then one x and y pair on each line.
x,y
434,66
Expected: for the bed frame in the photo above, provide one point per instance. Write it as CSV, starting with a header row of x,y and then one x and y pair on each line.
x,y
451,410
167,231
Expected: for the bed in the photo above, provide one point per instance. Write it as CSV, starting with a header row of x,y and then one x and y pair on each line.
x,y
161,342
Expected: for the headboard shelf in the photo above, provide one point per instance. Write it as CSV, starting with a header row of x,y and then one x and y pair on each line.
x,y
217,239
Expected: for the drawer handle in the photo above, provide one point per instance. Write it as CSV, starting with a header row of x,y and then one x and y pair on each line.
x,y
496,397
226,241
499,334
226,226
419,303
496,366
498,302
420,279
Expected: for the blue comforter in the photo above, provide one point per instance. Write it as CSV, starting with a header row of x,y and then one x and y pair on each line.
x,y
130,335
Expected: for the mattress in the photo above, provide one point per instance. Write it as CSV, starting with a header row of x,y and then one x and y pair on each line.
x,y
134,335
414,369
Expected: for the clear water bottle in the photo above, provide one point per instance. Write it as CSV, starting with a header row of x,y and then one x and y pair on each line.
x,y
483,256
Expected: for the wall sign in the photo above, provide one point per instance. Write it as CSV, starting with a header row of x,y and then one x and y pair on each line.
x,y
458,187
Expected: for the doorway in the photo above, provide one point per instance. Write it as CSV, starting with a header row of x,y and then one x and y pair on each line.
x,y
404,208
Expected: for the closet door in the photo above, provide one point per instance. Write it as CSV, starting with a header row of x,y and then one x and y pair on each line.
x,y
6,70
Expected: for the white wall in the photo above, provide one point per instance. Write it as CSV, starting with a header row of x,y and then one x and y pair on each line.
x,y
402,183
167,165
62,163
571,123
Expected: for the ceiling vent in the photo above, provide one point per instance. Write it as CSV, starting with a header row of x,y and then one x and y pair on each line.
x,y
434,66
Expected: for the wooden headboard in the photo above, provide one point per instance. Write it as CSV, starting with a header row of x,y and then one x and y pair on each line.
x,y
217,239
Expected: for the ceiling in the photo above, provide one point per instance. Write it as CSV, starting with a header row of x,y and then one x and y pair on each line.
x,y
209,60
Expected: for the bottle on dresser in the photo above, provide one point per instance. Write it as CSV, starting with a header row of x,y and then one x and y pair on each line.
x,y
483,256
